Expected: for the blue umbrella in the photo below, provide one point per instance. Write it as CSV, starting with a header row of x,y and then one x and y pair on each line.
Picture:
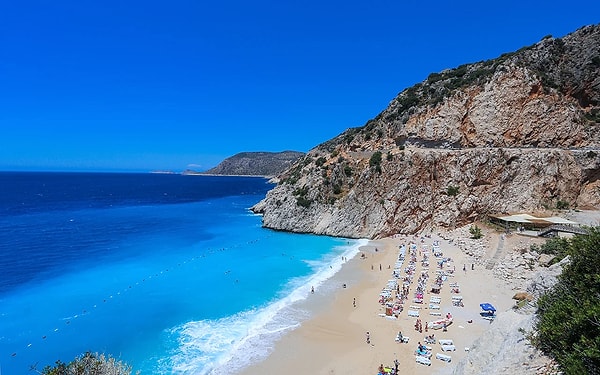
x,y
487,307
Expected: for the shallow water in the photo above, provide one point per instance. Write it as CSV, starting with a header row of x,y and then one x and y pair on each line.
x,y
172,274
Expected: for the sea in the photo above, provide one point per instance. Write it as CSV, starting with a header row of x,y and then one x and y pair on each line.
x,y
171,274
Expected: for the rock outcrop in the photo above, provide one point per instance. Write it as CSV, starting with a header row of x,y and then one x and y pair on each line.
x,y
505,348
518,133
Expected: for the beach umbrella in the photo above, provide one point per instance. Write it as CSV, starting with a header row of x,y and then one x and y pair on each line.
x,y
487,307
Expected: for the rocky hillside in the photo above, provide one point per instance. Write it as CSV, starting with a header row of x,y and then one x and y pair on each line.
x,y
256,163
517,133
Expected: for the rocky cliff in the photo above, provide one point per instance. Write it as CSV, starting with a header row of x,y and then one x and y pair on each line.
x,y
517,133
256,163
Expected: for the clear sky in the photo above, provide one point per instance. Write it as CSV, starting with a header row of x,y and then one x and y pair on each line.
x,y
133,85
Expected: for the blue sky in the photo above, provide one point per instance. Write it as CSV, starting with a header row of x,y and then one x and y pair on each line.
x,y
143,85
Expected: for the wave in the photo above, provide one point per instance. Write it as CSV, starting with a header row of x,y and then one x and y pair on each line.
x,y
229,344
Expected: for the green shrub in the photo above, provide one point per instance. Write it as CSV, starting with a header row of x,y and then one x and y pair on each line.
x,y
348,170
554,246
89,363
301,191
337,189
452,191
568,327
320,161
303,202
562,205
375,159
475,232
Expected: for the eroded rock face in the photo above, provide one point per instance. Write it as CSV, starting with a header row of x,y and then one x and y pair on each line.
x,y
413,191
518,133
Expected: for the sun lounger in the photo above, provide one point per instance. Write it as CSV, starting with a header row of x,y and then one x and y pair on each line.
x,y
445,342
443,357
448,348
435,313
425,353
433,306
423,360
415,307
457,298
434,299
413,313
404,340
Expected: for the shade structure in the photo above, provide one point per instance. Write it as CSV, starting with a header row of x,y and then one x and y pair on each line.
x,y
487,307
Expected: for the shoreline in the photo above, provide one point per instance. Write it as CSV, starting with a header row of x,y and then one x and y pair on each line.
x,y
333,339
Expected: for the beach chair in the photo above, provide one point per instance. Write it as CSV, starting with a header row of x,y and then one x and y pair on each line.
x,y
448,348
435,313
423,360
443,357
433,306
445,342
403,339
413,313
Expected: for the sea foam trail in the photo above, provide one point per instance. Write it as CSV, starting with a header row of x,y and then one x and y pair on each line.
x,y
227,345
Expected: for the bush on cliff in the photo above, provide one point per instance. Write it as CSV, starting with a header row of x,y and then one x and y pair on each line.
x,y
375,161
568,326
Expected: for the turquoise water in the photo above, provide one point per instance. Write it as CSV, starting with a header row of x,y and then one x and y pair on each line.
x,y
191,285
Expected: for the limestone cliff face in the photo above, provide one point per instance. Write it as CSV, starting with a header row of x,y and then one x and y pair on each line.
x,y
521,132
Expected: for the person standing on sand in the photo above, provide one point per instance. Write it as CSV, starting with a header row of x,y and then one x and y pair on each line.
x,y
354,302
368,337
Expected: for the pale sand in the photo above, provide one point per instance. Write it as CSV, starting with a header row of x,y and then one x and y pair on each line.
x,y
334,340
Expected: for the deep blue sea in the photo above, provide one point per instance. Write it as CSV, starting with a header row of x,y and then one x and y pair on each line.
x,y
169,273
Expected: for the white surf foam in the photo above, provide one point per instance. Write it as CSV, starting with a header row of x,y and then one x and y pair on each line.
x,y
210,347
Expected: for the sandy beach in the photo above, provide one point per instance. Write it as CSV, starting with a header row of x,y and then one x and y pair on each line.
x,y
334,341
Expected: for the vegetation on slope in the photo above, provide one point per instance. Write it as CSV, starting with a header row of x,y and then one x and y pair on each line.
x,y
89,364
568,327
566,65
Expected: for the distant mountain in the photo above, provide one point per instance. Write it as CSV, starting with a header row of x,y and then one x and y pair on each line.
x,y
256,163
